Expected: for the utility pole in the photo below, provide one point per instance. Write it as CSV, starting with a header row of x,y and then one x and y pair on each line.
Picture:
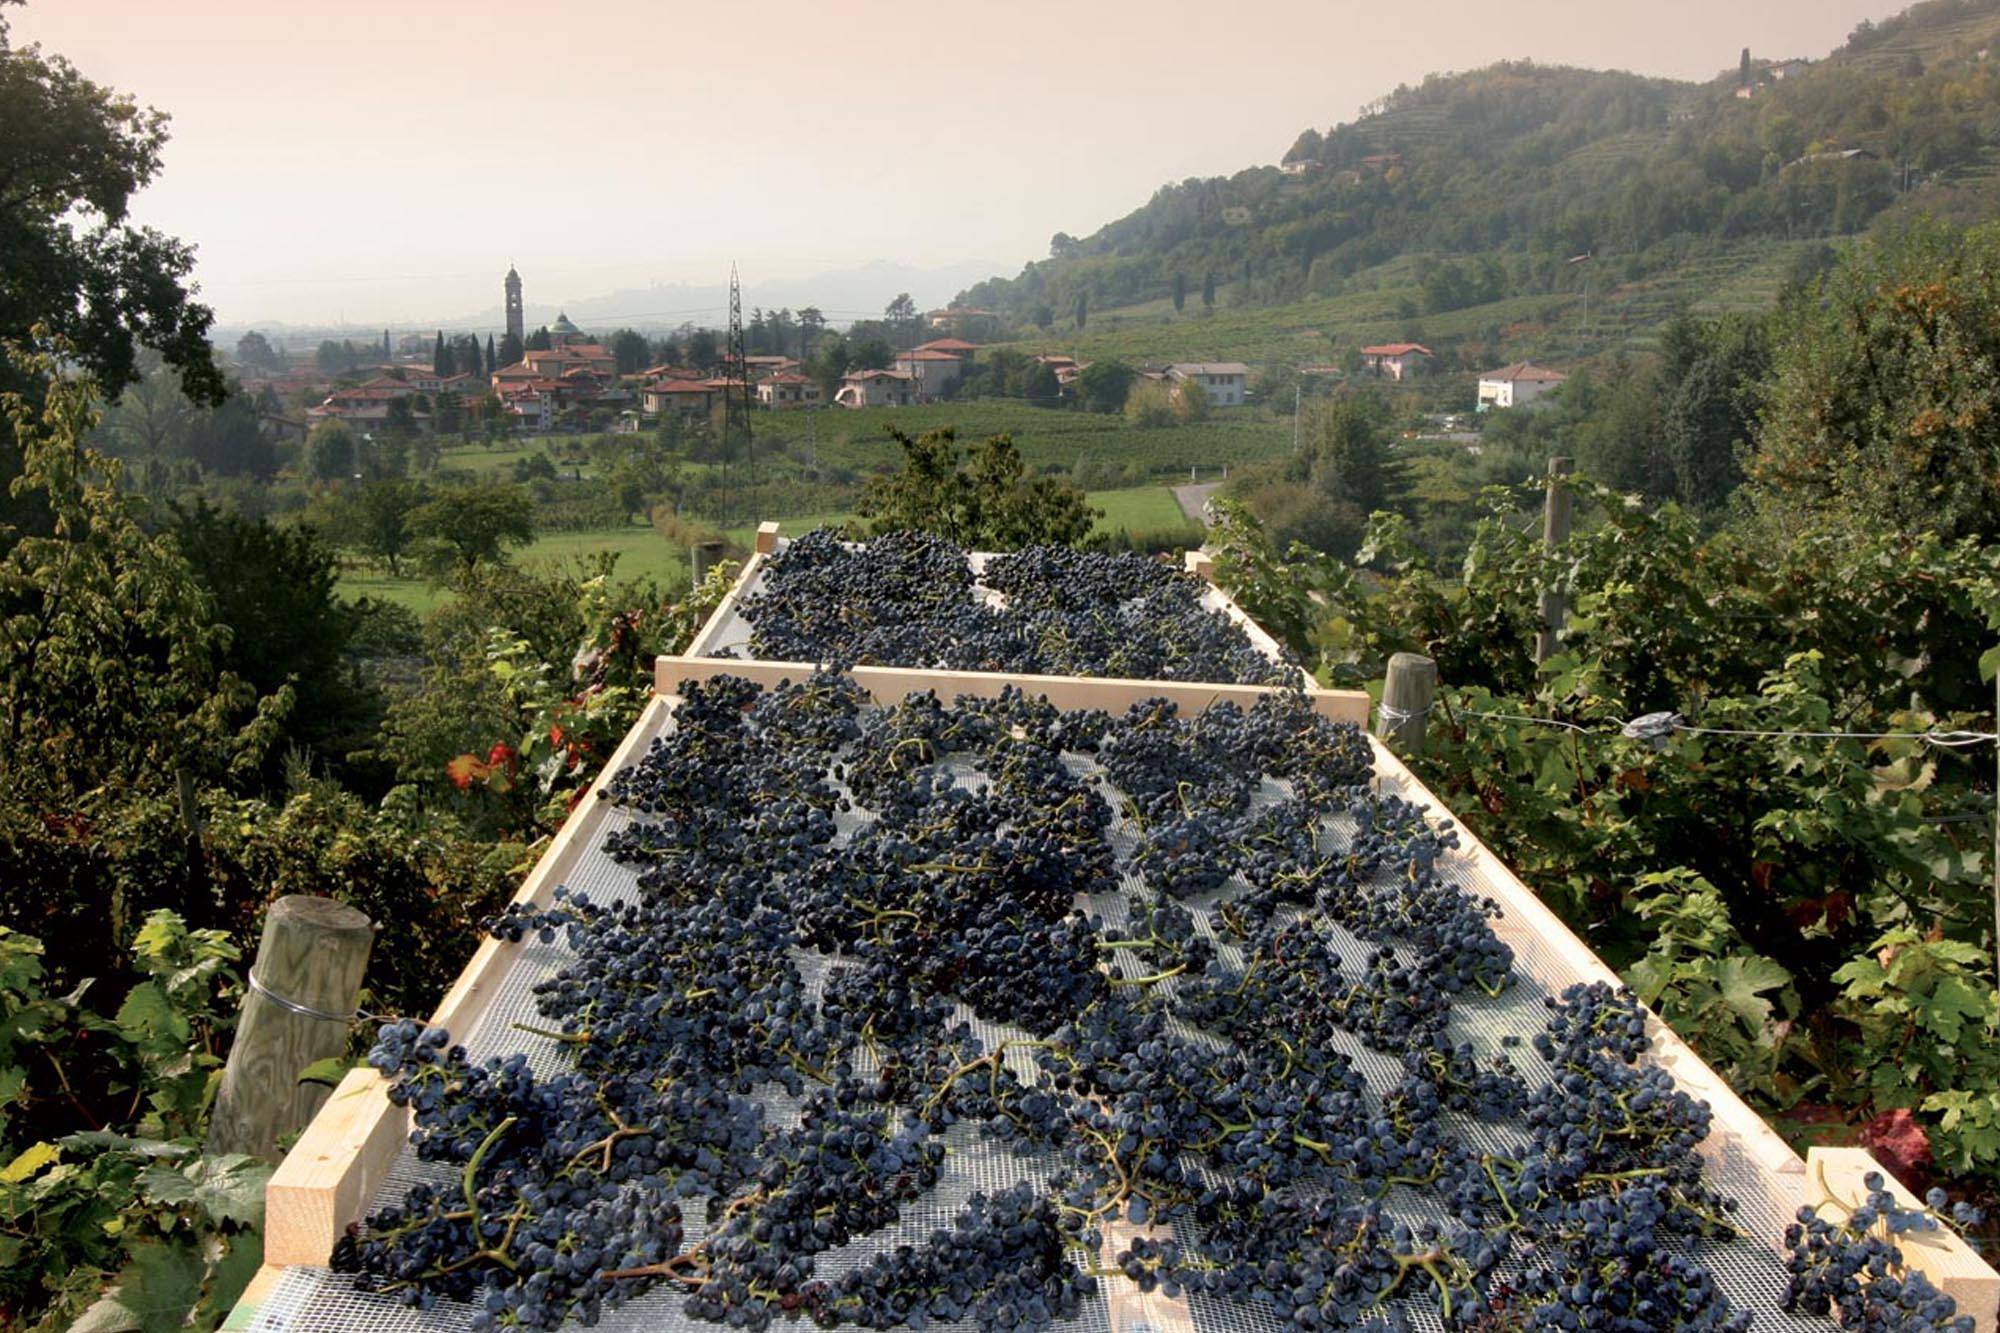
x,y
1555,533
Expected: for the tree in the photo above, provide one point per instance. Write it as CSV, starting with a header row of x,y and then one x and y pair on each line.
x,y
1180,292
538,341
1880,410
109,683
812,323
984,500
1043,316
441,358
388,357
704,349
1103,385
288,627
491,364
1082,309
379,520
254,349
1039,384
1713,371
630,350
1208,291
332,452
1744,71
461,527
510,349
74,154
901,316
871,354
464,349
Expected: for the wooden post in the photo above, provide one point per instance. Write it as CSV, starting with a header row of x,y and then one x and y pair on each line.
x,y
1407,692
767,538
1200,564
704,556
1555,533
302,990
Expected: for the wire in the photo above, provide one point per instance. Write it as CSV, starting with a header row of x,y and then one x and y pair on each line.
x,y
1653,726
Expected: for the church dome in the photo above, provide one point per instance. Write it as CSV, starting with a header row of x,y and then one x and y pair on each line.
x,y
562,325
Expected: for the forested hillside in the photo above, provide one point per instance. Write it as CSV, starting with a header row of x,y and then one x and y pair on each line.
x,y
1494,180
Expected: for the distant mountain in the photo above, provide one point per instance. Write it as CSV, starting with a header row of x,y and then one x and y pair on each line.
x,y
842,295
1479,188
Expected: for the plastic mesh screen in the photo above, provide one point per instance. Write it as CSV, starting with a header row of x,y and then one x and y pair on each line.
x,y
1749,1271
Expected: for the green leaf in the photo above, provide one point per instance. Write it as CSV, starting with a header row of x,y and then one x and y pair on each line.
x,y
1742,980
148,1018
152,1295
328,1071
1951,1005
229,1188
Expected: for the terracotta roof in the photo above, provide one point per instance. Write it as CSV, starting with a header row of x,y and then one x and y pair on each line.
x,y
921,355
1210,368
877,374
1395,349
1525,372
678,386
947,345
788,377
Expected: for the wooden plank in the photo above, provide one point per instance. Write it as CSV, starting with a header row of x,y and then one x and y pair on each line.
x,y
1834,1183
767,538
346,1152
889,685
244,1313
705,640
1528,919
328,1177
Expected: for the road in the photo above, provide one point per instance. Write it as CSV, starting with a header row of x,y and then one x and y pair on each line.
x,y
1192,498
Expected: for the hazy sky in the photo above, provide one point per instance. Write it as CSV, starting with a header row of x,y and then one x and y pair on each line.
x,y
384,161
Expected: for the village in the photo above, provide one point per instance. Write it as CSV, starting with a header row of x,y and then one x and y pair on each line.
x,y
568,379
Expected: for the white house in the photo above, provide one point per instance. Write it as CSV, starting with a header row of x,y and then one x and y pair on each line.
x,y
1223,381
1516,385
877,388
933,372
1396,361
788,389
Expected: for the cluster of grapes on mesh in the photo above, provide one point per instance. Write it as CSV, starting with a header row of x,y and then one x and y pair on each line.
x,y
830,893
1851,1266
909,599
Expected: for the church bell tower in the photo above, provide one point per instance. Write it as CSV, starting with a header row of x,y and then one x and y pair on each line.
x,y
515,329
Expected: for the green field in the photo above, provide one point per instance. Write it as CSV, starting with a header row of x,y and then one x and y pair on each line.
x,y
644,554
1546,325
1048,438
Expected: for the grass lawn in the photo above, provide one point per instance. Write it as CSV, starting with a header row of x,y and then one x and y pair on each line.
x,y
1143,509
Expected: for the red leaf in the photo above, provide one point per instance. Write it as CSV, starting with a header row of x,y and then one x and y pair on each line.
x,y
466,770
501,756
1901,1146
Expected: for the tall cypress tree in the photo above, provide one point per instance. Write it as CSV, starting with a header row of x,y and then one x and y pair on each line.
x,y
489,354
440,356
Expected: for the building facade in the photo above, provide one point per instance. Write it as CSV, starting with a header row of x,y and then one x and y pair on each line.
x,y
1225,382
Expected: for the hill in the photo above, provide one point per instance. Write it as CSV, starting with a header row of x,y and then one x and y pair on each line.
x,y
1461,202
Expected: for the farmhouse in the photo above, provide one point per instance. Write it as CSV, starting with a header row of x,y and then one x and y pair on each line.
x,y
1516,385
1395,361
1223,381
788,389
877,388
